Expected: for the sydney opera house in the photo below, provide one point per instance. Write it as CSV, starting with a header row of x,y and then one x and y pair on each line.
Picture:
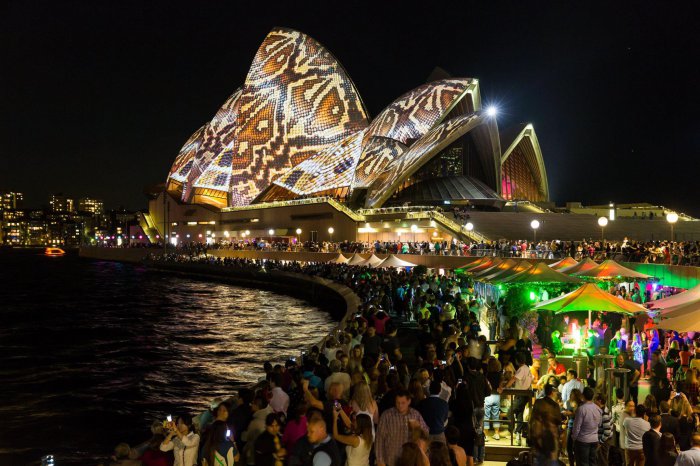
x,y
294,153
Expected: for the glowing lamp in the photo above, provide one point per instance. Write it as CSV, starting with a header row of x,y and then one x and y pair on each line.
x,y
414,228
672,217
271,232
247,232
492,111
602,221
533,296
535,224
331,230
298,231
469,226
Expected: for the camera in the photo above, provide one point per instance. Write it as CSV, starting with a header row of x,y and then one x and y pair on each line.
x,y
443,362
336,404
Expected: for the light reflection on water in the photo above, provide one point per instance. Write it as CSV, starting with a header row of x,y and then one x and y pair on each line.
x,y
94,351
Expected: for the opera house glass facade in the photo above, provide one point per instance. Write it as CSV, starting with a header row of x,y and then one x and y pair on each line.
x,y
297,128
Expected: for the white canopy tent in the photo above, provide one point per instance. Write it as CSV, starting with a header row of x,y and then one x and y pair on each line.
x,y
393,261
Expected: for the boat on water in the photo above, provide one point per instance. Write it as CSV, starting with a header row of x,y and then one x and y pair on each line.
x,y
54,252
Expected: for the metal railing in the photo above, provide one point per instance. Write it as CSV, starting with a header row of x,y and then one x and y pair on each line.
x,y
295,202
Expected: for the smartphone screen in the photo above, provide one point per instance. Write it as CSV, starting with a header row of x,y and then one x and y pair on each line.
x,y
170,418
228,433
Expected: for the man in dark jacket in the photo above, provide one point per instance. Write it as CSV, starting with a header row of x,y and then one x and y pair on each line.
x,y
669,423
434,411
651,441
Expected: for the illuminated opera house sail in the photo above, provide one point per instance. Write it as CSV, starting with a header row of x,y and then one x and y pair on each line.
x,y
297,128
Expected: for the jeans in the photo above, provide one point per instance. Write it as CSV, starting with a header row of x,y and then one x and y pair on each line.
x,y
603,452
492,410
492,331
479,453
586,453
516,412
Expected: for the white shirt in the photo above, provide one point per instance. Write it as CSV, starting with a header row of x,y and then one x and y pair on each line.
x,y
279,401
185,450
523,378
358,456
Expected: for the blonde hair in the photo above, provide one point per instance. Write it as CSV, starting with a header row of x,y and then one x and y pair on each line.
x,y
682,405
362,396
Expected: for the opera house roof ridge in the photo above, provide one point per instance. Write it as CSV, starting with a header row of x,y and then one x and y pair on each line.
x,y
297,127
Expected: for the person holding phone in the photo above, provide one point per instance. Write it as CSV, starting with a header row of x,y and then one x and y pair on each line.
x,y
219,448
182,440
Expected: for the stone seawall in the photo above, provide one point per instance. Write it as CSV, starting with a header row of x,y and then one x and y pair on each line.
x,y
339,300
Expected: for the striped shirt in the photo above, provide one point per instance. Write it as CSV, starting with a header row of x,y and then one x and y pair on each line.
x,y
605,429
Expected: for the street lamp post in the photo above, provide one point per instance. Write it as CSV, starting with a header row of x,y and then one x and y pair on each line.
x,y
602,222
414,227
535,224
298,232
672,218
330,233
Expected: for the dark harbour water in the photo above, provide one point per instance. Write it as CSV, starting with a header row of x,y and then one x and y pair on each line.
x,y
93,352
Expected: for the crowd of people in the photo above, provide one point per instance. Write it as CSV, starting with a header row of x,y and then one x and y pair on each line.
x,y
661,252
357,399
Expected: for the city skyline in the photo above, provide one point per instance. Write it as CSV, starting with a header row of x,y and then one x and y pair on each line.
x,y
121,89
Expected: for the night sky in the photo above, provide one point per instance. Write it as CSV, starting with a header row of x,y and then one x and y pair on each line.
x,y
96,98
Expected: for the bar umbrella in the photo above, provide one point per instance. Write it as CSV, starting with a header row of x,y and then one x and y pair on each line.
x,y
610,269
539,273
585,264
590,298
393,261
568,261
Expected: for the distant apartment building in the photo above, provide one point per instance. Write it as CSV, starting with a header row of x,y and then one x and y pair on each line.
x,y
61,203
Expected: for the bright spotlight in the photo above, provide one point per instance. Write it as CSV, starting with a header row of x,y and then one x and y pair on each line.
x,y
602,221
492,111
534,224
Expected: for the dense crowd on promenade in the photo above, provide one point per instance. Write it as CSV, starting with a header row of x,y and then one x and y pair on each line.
x,y
660,252
356,399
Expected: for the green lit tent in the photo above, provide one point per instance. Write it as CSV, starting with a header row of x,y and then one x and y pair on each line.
x,y
585,264
610,269
476,263
539,273
589,298
520,267
497,270
485,266
568,261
